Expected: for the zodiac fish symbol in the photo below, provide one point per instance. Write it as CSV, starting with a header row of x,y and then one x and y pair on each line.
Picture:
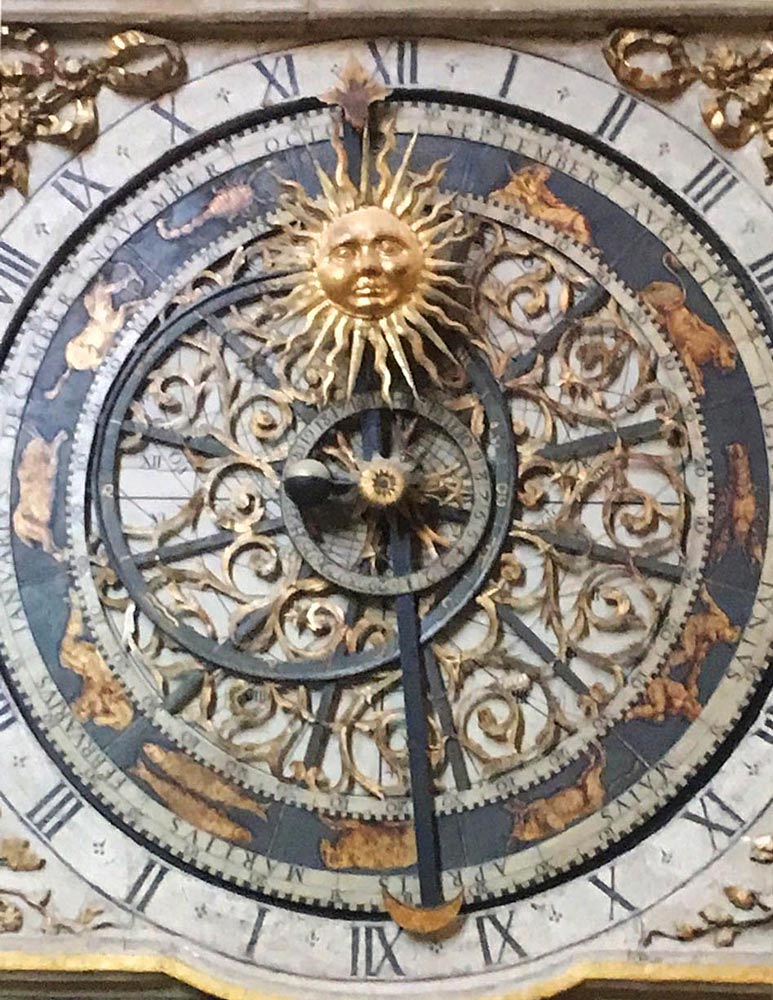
x,y
226,203
666,696
195,793
737,507
697,342
37,481
87,348
528,189
370,845
552,814
102,699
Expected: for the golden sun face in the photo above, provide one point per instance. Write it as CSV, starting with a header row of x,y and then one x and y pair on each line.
x,y
370,267
369,262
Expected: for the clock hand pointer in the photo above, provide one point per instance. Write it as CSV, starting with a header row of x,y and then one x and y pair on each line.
x,y
433,914
425,825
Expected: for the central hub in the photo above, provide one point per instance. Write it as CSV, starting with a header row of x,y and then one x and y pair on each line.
x,y
338,489
382,483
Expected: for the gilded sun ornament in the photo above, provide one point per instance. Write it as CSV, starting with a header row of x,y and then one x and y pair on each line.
x,y
371,266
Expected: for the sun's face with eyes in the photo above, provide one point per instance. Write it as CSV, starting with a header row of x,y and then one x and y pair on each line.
x,y
369,263
371,267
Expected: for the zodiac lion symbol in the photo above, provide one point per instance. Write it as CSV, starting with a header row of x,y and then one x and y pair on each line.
x,y
697,342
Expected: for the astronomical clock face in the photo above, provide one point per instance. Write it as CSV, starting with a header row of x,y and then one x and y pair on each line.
x,y
385,507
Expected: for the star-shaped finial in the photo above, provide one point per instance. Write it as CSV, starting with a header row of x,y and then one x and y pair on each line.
x,y
355,93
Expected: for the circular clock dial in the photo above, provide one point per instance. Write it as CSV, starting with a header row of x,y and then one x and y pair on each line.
x,y
376,515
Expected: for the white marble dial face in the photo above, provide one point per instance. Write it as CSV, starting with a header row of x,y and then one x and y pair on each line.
x,y
384,519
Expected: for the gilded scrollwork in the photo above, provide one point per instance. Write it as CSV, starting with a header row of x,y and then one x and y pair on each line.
x,y
750,908
739,102
521,287
601,494
32,906
50,98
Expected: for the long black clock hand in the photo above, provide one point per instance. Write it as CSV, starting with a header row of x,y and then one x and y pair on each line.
x,y
414,682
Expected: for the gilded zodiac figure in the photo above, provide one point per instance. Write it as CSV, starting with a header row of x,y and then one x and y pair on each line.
x,y
102,697
546,816
737,509
666,695
37,484
88,347
697,342
528,189
391,844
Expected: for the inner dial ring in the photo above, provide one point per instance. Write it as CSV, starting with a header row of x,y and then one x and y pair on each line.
x,y
440,620
436,463
248,520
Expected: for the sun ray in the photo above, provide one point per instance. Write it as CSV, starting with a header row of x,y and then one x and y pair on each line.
x,y
397,181
355,358
339,336
380,363
327,325
436,294
444,318
392,332
382,163
421,323
417,347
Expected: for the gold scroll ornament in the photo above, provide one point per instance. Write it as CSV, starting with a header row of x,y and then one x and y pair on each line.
x,y
741,105
750,907
44,97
